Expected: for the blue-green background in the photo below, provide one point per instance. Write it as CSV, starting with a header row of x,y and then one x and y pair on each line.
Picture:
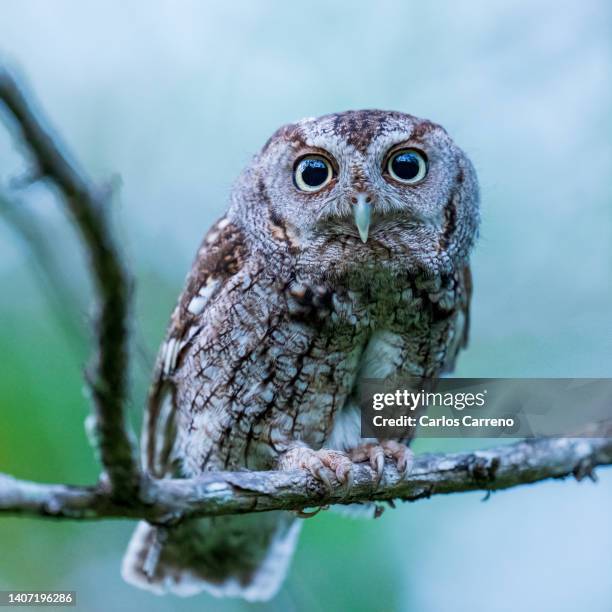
x,y
175,97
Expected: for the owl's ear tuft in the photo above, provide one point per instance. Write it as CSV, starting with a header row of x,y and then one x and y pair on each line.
x,y
424,126
289,133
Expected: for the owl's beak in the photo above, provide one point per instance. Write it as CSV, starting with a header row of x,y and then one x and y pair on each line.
x,y
362,213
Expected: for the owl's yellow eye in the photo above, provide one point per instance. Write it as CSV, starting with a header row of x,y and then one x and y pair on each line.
x,y
407,166
312,173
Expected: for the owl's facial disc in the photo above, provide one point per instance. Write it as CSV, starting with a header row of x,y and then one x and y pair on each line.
x,y
316,173
361,190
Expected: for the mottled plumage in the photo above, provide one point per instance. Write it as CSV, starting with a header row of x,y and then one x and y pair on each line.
x,y
294,297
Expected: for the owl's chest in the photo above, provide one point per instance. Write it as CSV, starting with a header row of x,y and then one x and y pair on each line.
x,y
286,368
371,303
325,350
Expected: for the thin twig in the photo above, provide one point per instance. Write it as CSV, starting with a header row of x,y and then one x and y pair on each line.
x,y
167,501
108,375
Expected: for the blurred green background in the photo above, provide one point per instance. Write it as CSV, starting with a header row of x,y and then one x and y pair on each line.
x,y
175,97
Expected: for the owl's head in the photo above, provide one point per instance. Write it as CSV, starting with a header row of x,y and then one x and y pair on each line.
x,y
362,187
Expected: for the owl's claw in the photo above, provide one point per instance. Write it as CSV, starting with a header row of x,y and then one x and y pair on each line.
x,y
346,476
375,454
377,462
372,453
404,458
316,467
319,463
401,454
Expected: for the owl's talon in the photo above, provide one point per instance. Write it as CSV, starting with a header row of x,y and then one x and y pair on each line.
x,y
377,462
401,454
405,462
318,463
375,455
344,473
319,474
349,481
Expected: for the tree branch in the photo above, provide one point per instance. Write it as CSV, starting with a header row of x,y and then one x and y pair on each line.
x,y
108,374
167,501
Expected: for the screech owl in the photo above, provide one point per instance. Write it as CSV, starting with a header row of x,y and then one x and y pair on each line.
x,y
343,255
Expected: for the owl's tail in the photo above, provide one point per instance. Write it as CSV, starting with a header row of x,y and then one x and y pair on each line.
x,y
228,556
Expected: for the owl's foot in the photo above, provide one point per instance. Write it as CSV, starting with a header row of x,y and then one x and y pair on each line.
x,y
376,453
318,463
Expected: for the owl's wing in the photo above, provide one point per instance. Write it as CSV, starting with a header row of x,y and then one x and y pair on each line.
x,y
219,258
462,330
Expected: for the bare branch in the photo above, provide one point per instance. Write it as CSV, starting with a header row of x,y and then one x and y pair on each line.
x,y
167,501
108,378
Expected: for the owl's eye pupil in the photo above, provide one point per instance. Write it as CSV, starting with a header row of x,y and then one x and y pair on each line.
x,y
406,166
314,172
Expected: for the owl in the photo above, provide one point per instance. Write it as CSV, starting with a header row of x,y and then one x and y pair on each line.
x,y
343,256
